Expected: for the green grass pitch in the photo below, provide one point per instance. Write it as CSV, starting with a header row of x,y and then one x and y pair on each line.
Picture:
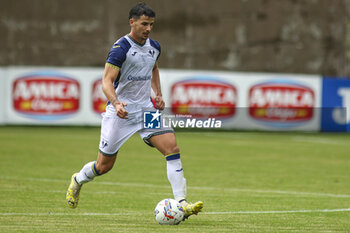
x,y
248,181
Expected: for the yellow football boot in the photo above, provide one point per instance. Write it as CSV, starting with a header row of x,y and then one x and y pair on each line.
x,y
191,209
73,192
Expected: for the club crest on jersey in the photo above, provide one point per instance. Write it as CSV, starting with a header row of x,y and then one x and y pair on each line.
x,y
151,52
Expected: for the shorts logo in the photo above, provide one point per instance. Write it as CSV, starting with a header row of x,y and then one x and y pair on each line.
x,y
104,143
152,119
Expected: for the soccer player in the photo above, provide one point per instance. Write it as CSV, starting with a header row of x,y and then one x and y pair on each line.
x,y
131,71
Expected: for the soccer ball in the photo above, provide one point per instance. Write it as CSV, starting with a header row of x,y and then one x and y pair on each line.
x,y
169,212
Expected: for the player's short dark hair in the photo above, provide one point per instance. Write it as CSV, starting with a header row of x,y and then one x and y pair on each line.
x,y
141,9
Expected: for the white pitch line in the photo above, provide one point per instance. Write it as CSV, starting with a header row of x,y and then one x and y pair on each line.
x,y
318,140
68,214
205,213
194,187
279,211
312,139
233,190
283,192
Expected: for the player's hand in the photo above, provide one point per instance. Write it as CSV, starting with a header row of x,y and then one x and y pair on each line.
x,y
159,102
120,110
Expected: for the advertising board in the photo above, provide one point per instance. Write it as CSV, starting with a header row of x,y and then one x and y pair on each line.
x,y
51,96
247,100
336,105
254,101
3,81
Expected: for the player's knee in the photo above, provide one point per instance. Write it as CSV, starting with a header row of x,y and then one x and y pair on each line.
x,y
176,149
172,150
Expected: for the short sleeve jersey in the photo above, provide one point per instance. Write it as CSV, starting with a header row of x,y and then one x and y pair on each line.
x,y
135,63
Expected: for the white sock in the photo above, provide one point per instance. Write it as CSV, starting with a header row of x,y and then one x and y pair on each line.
x,y
87,173
176,176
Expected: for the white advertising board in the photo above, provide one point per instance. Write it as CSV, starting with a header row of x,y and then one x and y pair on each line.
x,y
260,101
73,96
51,95
3,81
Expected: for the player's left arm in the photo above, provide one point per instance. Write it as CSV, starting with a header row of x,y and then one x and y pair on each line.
x,y
155,84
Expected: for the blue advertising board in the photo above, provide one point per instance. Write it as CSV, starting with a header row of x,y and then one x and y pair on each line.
x,y
335,105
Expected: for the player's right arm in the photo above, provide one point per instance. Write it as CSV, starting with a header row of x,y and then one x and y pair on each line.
x,y
109,76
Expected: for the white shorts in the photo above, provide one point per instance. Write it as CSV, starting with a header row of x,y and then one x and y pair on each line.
x,y
115,131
